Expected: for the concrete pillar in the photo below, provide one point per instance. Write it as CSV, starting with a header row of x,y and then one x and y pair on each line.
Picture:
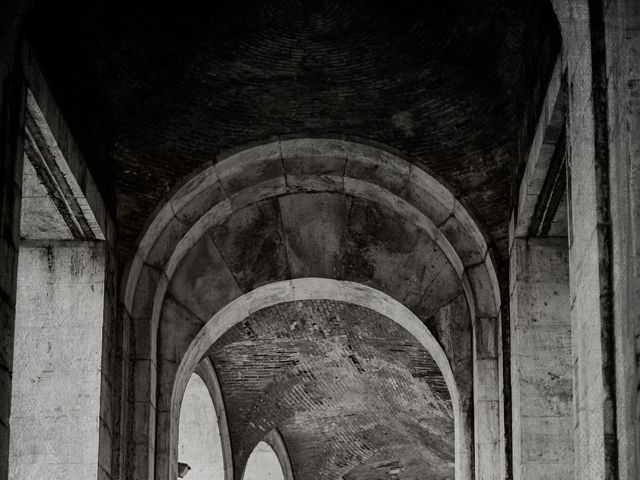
x,y
541,362
57,379
585,30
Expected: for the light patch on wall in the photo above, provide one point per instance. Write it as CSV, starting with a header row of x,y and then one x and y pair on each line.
x,y
263,464
200,446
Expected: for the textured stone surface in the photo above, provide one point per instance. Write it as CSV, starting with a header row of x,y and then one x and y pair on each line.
x,y
315,235
541,360
593,31
57,365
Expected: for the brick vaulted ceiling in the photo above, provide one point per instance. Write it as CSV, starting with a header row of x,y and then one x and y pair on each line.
x,y
154,90
352,393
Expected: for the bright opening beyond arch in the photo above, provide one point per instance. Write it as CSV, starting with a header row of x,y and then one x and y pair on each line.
x,y
263,464
200,445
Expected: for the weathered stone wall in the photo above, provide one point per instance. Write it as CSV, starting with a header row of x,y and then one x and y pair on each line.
x,y
541,362
57,380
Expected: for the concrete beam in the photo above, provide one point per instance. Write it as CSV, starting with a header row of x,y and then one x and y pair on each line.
x,y
61,188
63,154
548,134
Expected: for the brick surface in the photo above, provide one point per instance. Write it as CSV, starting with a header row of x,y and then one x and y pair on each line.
x,y
347,388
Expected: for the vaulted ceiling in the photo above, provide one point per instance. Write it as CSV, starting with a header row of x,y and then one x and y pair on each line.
x,y
351,392
153,90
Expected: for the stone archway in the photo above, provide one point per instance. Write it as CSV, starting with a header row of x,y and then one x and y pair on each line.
x,y
314,167
303,289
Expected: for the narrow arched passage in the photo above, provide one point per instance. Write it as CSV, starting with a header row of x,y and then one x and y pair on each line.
x,y
200,443
269,460
302,290
263,464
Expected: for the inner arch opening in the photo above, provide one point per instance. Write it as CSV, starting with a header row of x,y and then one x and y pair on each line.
x,y
350,322
200,443
263,464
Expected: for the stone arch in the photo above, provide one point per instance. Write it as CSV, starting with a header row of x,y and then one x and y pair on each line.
x,y
208,375
318,166
302,289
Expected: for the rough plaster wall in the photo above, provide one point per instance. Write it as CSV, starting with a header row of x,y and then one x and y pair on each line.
x,y
199,433
541,361
345,387
58,362
263,464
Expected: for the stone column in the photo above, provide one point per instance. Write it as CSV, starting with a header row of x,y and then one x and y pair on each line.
x,y
585,30
57,372
541,362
